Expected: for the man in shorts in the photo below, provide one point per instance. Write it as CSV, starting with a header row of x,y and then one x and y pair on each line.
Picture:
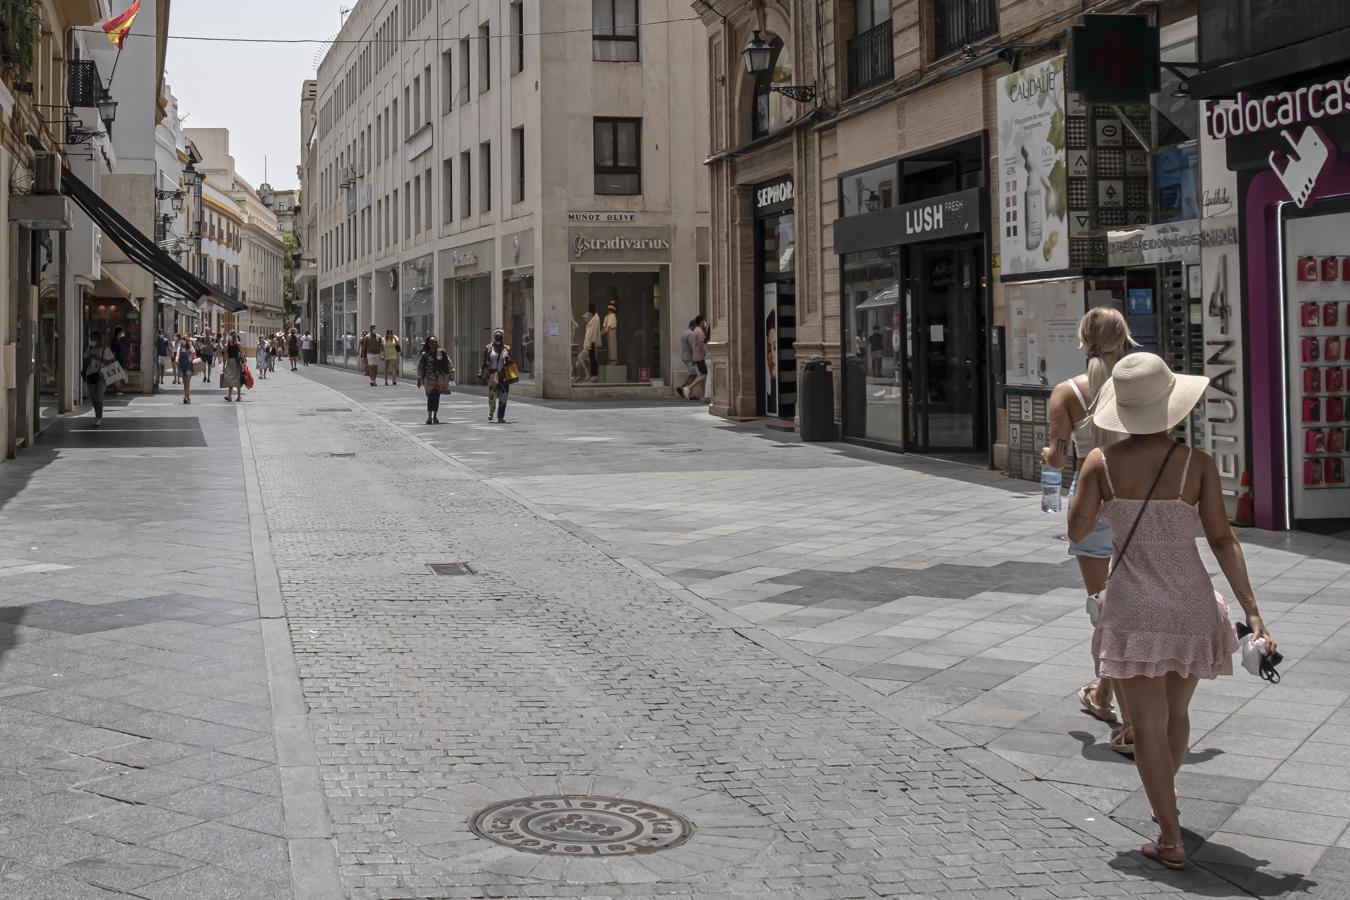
x,y
687,357
373,350
698,353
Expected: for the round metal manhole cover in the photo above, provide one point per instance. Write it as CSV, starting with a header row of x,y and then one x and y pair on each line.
x,y
582,825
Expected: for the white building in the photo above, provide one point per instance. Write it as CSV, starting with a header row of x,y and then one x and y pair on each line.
x,y
505,164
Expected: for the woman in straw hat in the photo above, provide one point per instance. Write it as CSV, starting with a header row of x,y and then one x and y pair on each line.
x,y
1162,627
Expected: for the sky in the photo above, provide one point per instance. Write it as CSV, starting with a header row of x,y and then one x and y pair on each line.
x,y
251,89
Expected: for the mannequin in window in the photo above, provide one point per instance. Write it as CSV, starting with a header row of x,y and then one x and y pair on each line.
x,y
611,330
592,341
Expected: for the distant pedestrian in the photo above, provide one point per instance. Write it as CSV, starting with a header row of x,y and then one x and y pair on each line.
x,y
392,359
96,356
1162,627
121,351
372,353
875,342
260,357
293,349
184,356
698,352
687,358
162,355
306,344
498,374
348,344
435,374
207,351
232,370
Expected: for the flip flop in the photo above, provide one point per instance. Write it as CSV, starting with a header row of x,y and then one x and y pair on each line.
x,y
1100,712
1151,851
1119,745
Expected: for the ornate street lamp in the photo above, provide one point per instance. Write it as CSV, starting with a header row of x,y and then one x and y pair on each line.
x,y
107,109
759,56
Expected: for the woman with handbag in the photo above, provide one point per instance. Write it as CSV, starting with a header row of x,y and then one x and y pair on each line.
x,y
1162,625
184,357
232,372
1104,337
499,373
96,356
435,374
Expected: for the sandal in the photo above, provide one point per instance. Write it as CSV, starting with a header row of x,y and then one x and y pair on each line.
x,y
1155,850
1099,711
1119,744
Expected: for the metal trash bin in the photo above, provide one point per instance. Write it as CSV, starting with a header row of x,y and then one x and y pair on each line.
x,y
815,398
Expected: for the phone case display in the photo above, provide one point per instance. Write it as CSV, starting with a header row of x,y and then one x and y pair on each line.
x,y
1318,304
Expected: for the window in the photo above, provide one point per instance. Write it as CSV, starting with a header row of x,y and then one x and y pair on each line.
x,y
393,214
380,237
517,37
426,187
484,58
465,176
518,164
393,124
416,224
408,209
485,178
447,83
463,70
614,30
870,191
870,50
618,156
447,191
957,23
631,303
407,114
416,111
426,106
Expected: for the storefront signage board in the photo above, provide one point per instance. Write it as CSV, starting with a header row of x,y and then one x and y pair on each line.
x,y
638,244
1032,169
774,197
1153,244
601,217
948,216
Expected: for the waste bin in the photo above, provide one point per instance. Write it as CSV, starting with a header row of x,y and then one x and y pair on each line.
x,y
815,396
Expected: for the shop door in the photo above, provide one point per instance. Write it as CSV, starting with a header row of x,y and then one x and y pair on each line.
x,y
473,325
949,364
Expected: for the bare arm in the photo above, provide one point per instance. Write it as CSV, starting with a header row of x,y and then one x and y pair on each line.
x,y
1087,498
1227,550
1061,427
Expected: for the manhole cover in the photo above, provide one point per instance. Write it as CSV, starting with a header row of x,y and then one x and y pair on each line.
x,y
582,825
450,568
682,450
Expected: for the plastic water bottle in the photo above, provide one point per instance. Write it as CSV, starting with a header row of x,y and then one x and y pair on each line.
x,y
1051,482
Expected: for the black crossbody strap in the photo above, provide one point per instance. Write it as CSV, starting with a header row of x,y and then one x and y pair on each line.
x,y
1120,557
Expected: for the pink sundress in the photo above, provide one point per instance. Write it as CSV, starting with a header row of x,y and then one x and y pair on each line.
x,y
1160,612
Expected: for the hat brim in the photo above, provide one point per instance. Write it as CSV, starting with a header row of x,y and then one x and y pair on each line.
x,y
1109,415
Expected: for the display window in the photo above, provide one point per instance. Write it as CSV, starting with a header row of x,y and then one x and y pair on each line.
x,y
104,315
416,300
873,340
472,323
618,324
1317,337
518,318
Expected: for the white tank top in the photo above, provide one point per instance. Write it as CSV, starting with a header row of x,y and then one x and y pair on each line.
x,y
1084,442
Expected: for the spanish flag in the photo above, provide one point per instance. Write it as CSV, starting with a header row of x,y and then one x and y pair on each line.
x,y
118,26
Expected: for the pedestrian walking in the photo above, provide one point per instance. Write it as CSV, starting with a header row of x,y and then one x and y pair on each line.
x,y
687,358
698,353
121,351
96,356
232,369
184,357
162,355
260,357
306,344
435,375
372,353
499,372
392,359
875,343
207,351
1162,626
1104,337
273,351
293,349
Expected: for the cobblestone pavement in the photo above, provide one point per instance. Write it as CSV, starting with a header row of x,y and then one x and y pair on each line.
x,y
136,736
887,590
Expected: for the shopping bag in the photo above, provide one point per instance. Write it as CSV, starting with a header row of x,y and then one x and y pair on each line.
x,y
113,373
510,373
198,366
248,377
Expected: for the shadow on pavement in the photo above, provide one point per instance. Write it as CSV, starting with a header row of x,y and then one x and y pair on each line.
x,y
1243,875
9,638
18,472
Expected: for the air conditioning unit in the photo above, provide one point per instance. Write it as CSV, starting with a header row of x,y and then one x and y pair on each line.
x,y
46,172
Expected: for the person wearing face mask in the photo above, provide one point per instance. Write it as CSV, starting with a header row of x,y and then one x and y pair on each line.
x,y
96,356
499,374
183,357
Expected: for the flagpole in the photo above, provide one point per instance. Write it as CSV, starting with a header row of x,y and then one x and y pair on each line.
x,y
116,59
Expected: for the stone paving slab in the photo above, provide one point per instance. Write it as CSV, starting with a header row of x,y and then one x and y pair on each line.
x,y
133,688
787,542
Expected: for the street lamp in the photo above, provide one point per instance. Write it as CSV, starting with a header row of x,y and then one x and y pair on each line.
x,y
191,177
107,109
759,56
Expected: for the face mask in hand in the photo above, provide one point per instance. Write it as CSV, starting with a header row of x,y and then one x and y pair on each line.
x,y
1255,659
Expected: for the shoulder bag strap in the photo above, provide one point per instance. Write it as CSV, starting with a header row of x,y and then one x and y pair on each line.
x,y
1120,557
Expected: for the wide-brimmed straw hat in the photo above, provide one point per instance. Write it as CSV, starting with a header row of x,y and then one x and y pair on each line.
x,y
1143,396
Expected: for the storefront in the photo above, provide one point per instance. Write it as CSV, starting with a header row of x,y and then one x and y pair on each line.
x,y
620,277
776,297
467,275
1289,144
417,305
912,239
518,307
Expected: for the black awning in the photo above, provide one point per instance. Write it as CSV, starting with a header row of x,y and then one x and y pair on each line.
x,y
174,280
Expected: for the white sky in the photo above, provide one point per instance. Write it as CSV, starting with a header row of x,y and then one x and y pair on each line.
x,y
251,89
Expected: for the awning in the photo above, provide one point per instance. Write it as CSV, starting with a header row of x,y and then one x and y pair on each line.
x,y
174,281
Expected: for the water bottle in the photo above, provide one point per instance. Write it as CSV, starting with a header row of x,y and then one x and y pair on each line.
x,y
1051,481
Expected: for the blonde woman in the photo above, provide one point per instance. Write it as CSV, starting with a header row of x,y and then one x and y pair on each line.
x,y
1162,627
1104,337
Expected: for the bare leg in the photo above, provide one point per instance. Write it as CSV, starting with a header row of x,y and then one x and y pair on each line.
x,y
1179,693
1150,703
1094,573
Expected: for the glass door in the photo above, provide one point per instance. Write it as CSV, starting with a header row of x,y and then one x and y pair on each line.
x,y
948,340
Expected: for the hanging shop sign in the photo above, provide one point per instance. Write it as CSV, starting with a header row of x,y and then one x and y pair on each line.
x,y
1250,114
951,215
775,196
1152,244
1033,176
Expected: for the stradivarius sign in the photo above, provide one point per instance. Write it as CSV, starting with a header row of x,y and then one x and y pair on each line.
x,y
583,244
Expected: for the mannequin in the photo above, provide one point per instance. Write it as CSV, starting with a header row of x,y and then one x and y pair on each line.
x,y
611,332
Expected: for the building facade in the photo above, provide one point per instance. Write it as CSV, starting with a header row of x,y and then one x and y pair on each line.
x,y
910,191
441,211
306,262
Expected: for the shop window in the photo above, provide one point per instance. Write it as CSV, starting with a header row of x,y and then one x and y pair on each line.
x,y
870,191
614,30
518,318
631,307
772,110
618,156
872,393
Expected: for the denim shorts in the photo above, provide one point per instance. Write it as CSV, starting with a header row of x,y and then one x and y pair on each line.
x,y
1098,544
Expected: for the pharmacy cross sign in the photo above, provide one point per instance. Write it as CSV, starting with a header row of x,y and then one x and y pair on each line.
x,y
1114,59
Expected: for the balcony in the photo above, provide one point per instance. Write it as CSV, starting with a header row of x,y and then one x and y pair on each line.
x,y
870,58
958,23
